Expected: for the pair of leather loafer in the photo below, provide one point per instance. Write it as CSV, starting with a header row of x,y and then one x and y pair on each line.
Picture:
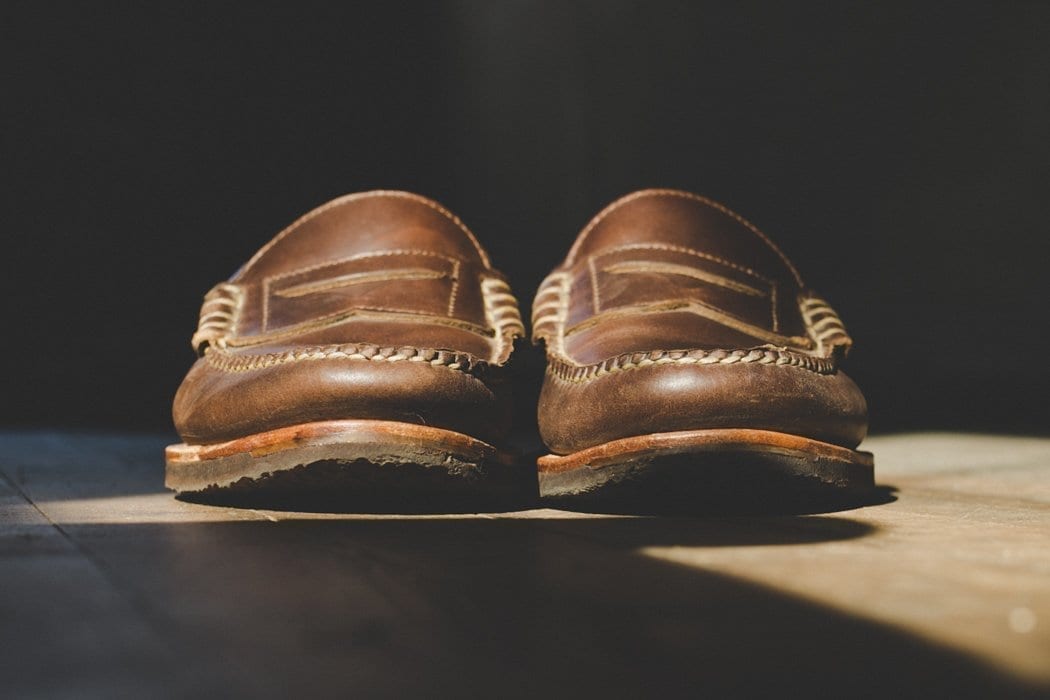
x,y
363,353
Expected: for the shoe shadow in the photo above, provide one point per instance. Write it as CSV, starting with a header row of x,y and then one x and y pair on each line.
x,y
335,487
752,503
513,607
525,496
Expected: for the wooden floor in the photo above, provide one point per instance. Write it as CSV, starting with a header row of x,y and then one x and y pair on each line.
x,y
112,588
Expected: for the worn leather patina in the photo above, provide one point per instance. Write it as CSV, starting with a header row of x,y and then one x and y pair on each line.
x,y
379,305
673,313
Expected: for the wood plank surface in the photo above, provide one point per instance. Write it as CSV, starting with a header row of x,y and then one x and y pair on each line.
x,y
112,588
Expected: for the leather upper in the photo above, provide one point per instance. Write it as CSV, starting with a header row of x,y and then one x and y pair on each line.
x,y
672,312
375,305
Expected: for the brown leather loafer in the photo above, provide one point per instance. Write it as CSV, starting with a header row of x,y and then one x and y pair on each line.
x,y
687,357
362,346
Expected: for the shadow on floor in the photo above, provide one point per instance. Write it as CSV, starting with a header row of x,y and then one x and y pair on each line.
x,y
505,608
686,490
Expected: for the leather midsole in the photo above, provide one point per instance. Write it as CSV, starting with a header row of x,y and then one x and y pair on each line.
x,y
712,440
350,431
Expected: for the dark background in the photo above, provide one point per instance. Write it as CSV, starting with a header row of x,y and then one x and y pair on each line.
x,y
898,152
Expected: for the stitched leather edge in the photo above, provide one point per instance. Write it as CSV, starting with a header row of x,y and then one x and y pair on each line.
x,y
681,194
219,314
550,308
638,360
455,361
502,314
339,201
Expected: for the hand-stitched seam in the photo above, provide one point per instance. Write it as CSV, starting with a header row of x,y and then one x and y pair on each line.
x,y
663,268
557,284
773,303
686,251
270,279
356,278
369,313
365,195
697,308
684,195
219,316
362,256
596,296
824,325
455,288
773,357
660,267
455,361
502,315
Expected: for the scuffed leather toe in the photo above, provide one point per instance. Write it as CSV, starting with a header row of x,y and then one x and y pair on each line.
x,y
575,415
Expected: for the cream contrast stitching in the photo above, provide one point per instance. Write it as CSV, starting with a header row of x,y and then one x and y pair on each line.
x,y
355,278
502,314
698,308
270,279
236,363
372,312
455,288
577,374
684,195
824,325
773,303
549,324
219,316
365,195
361,256
595,293
659,267
687,251
667,247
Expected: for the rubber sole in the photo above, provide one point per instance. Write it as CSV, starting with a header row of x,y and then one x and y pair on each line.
x,y
366,465
709,470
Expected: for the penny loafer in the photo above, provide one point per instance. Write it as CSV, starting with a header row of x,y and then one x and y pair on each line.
x,y
688,360
360,351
